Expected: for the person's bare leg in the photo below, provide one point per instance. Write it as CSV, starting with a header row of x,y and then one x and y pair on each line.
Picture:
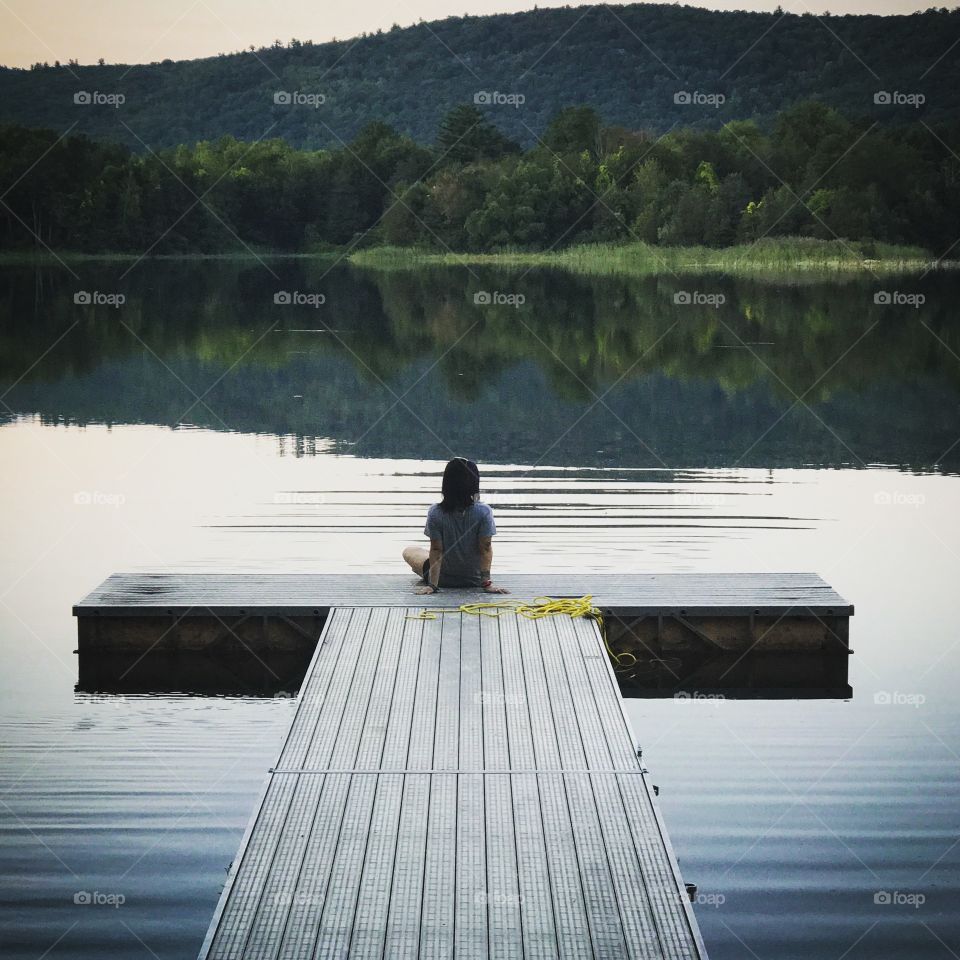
x,y
416,557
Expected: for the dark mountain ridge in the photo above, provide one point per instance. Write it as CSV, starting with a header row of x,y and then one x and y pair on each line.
x,y
645,66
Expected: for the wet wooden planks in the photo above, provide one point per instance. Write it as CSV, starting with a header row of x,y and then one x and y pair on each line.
x,y
295,594
516,822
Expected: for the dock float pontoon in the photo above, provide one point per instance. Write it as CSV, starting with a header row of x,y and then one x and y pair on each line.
x,y
275,611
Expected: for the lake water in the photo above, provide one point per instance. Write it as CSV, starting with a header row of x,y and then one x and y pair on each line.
x,y
763,426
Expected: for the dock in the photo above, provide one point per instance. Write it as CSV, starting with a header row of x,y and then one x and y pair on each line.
x,y
277,611
455,785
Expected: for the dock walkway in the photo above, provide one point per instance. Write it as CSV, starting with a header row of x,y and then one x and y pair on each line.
x,y
456,787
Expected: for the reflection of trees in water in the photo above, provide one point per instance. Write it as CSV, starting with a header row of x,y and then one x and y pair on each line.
x,y
598,330
507,380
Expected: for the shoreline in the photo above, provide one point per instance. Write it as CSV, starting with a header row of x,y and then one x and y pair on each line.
x,y
791,255
30,258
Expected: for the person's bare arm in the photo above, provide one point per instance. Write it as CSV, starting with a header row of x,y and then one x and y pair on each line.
x,y
436,559
486,563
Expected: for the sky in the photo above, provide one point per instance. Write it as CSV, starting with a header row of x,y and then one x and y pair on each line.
x,y
138,31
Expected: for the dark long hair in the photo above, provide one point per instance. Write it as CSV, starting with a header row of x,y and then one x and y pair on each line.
x,y
461,482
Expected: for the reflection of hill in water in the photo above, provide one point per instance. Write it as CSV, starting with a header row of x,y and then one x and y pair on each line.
x,y
416,367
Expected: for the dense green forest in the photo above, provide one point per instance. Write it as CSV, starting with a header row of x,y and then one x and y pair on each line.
x,y
814,173
632,62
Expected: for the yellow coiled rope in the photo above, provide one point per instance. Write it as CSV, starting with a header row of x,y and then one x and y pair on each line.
x,y
536,609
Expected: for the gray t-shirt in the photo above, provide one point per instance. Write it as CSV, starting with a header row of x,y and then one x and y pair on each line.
x,y
459,532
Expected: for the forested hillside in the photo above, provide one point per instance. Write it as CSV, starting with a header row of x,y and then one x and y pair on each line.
x,y
643,66
815,174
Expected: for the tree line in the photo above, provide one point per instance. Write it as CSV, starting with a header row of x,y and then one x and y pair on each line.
x,y
812,172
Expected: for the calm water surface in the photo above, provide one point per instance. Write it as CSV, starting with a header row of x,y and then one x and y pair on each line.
x,y
798,426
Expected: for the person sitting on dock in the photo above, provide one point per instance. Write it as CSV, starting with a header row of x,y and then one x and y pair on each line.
x,y
461,531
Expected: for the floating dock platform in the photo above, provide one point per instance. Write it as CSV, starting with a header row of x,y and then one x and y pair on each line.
x,y
277,611
455,785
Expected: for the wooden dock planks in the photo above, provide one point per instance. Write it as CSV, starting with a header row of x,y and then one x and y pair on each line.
x,y
516,821
295,594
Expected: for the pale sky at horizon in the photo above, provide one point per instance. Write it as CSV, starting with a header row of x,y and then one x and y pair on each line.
x,y
138,31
